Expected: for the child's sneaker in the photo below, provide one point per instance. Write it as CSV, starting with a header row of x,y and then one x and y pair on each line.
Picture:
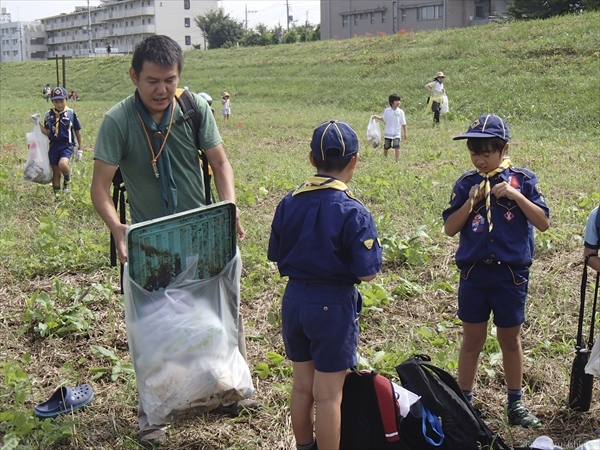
x,y
518,414
66,188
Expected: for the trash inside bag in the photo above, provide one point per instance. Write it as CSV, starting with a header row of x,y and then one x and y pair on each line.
x,y
374,133
37,167
184,343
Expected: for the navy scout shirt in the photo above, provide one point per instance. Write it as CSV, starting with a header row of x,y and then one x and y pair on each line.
x,y
320,232
512,238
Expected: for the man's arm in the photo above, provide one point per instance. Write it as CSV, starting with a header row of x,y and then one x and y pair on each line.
x,y
103,203
224,180
594,260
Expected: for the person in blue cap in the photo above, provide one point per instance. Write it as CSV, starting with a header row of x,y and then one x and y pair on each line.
x,y
325,241
495,209
62,126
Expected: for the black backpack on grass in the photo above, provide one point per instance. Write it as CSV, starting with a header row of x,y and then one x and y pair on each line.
x,y
462,427
370,413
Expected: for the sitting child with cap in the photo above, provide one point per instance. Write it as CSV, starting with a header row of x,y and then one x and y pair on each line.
x,y
494,208
326,242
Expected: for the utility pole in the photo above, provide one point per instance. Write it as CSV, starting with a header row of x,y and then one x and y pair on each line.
x,y
247,15
287,9
89,32
306,28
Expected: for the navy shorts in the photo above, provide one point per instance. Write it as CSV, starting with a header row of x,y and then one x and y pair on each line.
x,y
494,287
56,153
389,143
320,323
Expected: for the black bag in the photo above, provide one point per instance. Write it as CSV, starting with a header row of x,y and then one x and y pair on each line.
x,y
370,413
581,383
462,427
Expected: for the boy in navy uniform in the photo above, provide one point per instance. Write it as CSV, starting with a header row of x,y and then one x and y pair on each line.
x,y
325,241
495,208
62,126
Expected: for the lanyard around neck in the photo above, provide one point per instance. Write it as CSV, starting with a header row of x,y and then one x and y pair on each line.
x,y
155,157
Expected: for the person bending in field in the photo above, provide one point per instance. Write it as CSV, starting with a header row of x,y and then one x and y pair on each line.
x,y
494,208
325,241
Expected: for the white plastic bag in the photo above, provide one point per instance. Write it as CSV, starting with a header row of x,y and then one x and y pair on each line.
x,y
405,398
374,133
444,108
593,365
37,167
184,343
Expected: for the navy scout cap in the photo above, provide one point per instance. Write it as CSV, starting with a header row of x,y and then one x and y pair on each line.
x,y
333,140
58,93
487,126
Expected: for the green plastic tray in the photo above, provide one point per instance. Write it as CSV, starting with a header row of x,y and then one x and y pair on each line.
x,y
157,250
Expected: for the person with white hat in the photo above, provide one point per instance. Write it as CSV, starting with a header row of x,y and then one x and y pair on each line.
x,y
436,93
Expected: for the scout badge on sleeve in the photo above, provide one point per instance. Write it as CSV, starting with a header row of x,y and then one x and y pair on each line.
x,y
580,389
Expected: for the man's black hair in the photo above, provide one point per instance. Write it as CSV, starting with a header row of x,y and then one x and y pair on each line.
x,y
480,146
157,49
393,98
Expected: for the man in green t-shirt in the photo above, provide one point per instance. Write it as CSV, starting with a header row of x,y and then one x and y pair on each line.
x,y
159,161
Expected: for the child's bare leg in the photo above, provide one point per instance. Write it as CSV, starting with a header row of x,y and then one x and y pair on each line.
x,y
512,356
397,152
474,336
63,165
328,399
385,152
302,402
56,177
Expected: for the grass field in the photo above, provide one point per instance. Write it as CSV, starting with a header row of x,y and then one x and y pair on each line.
x,y
61,320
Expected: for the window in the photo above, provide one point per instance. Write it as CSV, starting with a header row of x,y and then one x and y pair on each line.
x,y
403,15
188,40
186,22
355,19
364,15
186,4
149,20
430,12
481,9
143,21
344,21
372,18
383,17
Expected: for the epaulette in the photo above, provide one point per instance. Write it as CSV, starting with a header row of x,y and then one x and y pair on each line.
x,y
526,172
468,173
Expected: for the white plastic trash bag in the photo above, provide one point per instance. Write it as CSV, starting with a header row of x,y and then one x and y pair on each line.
x,y
37,167
593,365
445,107
184,343
374,133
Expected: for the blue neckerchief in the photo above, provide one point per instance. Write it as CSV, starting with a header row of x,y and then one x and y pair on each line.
x,y
168,188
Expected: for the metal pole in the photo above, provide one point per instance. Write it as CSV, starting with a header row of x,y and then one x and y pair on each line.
x,y
64,72
89,31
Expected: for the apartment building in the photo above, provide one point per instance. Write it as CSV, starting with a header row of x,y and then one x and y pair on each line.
x,y
121,24
21,41
342,19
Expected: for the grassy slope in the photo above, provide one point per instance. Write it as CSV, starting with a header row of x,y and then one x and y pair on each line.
x,y
541,76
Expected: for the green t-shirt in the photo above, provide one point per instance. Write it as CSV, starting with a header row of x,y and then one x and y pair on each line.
x,y
121,141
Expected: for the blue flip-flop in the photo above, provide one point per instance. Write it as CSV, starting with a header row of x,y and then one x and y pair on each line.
x,y
65,400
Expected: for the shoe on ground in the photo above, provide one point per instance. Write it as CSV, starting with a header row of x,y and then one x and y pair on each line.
x,y
152,437
236,408
519,415
66,187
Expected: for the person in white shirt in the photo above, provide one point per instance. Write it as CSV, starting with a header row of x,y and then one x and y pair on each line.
x,y
436,93
395,125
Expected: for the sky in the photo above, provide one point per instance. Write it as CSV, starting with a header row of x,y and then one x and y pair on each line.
x,y
258,11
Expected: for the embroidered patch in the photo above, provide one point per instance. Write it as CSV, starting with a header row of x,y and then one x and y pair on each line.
x,y
453,196
509,216
477,223
369,243
475,124
513,181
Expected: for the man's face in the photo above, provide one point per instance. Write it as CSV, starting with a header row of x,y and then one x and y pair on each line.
x,y
156,86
